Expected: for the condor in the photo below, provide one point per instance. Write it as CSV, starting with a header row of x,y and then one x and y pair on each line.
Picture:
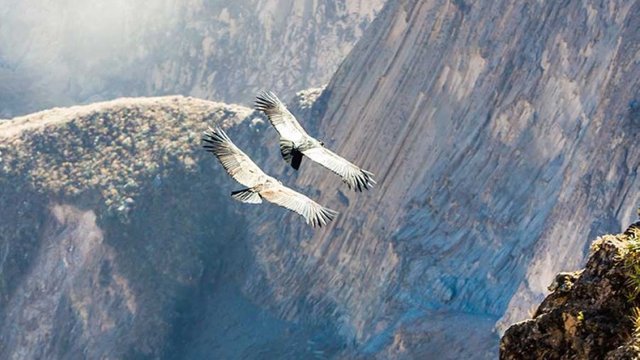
x,y
295,142
260,185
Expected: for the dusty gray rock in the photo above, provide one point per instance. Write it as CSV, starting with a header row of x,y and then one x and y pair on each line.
x,y
121,237
502,136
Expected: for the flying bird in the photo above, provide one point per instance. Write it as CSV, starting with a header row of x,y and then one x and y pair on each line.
x,y
260,185
295,142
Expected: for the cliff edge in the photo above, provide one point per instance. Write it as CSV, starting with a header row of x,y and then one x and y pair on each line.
x,y
590,314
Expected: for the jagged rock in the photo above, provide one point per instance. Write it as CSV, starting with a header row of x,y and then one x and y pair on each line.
x,y
122,241
593,314
92,262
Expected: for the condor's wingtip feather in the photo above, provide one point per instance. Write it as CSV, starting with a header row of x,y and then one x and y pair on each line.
x,y
266,100
214,134
214,139
360,182
322,217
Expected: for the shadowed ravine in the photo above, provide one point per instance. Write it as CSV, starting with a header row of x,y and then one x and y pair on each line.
x,y
130,260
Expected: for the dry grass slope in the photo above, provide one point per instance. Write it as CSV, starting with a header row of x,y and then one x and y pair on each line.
x,y
107,148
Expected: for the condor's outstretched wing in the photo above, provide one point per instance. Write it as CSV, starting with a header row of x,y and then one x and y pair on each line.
x,y
260,185
314,213
285,123
352,175
233,160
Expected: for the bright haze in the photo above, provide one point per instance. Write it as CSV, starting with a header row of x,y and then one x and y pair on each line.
x,y
59,52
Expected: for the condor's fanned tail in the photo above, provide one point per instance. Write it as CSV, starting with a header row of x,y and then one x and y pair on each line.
x,y
247,196
290,154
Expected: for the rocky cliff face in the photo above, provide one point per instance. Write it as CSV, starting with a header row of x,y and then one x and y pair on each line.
x,y
502,137
93,263
592,313
60,53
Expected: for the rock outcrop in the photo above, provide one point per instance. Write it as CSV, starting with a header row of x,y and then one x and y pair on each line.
x,y
122,241
64,54
590,314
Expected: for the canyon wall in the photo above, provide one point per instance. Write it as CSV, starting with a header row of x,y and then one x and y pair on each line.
x,y
502,137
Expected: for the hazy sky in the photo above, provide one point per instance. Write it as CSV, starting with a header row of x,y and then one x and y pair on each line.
x,y
67,52
51,48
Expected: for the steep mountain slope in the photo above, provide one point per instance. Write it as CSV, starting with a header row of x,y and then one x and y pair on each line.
x,y
58,53
502,135
119,235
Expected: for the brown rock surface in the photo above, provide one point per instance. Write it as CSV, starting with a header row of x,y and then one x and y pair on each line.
x,y
591,314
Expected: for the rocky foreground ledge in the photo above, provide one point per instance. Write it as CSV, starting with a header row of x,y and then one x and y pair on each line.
x,y
590,314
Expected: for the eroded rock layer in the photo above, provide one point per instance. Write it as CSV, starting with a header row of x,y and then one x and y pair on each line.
x,y
119,237
502,136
